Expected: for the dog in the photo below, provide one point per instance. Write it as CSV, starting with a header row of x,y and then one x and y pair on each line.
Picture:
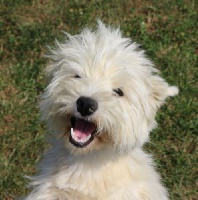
x,y
100,105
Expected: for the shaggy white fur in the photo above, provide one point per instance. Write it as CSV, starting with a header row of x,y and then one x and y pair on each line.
x,y
100,105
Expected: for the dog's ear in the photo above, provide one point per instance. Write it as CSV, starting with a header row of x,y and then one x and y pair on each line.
x,y
56,57
160,90
51,71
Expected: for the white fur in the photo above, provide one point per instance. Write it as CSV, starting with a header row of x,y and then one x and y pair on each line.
x,y
113,166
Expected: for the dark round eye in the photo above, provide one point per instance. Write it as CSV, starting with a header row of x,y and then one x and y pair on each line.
x,y
77,76
118,92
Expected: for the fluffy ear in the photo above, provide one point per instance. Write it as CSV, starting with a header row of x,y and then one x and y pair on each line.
x,y
60,53
51,70
56,57
160,90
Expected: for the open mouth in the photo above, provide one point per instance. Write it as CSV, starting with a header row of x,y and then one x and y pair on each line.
x,y
82,132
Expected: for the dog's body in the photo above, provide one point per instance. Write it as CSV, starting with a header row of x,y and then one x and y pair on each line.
x,y
100,103
95,177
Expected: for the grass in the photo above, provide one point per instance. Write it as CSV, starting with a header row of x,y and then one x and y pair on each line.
x,y
169,33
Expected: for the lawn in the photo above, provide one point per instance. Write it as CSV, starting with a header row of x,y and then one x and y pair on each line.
x,y
168,31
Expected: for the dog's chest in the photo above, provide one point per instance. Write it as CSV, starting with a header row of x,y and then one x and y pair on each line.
x,y
89,181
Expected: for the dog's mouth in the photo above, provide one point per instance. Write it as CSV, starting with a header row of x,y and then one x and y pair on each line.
x,y
82,132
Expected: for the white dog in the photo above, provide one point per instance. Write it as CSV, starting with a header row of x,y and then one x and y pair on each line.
x,y
100,104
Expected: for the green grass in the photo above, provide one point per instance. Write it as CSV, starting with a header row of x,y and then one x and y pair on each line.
x,y
168,30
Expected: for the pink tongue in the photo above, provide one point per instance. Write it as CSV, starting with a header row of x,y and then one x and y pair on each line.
x,y
83,128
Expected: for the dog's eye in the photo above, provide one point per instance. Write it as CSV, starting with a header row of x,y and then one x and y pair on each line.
x,y
118,92
77,76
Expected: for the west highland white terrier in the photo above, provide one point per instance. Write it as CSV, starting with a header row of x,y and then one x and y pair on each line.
x,y
100,104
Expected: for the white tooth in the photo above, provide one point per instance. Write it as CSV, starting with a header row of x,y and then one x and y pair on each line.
x,y
72,131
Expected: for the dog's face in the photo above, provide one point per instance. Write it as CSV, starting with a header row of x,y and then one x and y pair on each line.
x,y
102,91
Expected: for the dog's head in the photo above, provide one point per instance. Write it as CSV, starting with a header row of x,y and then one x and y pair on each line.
x,y
102,91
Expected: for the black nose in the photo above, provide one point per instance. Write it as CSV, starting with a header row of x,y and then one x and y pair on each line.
x,y
86,106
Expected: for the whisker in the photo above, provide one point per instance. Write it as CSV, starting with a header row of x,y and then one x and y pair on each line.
x,y
66,132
